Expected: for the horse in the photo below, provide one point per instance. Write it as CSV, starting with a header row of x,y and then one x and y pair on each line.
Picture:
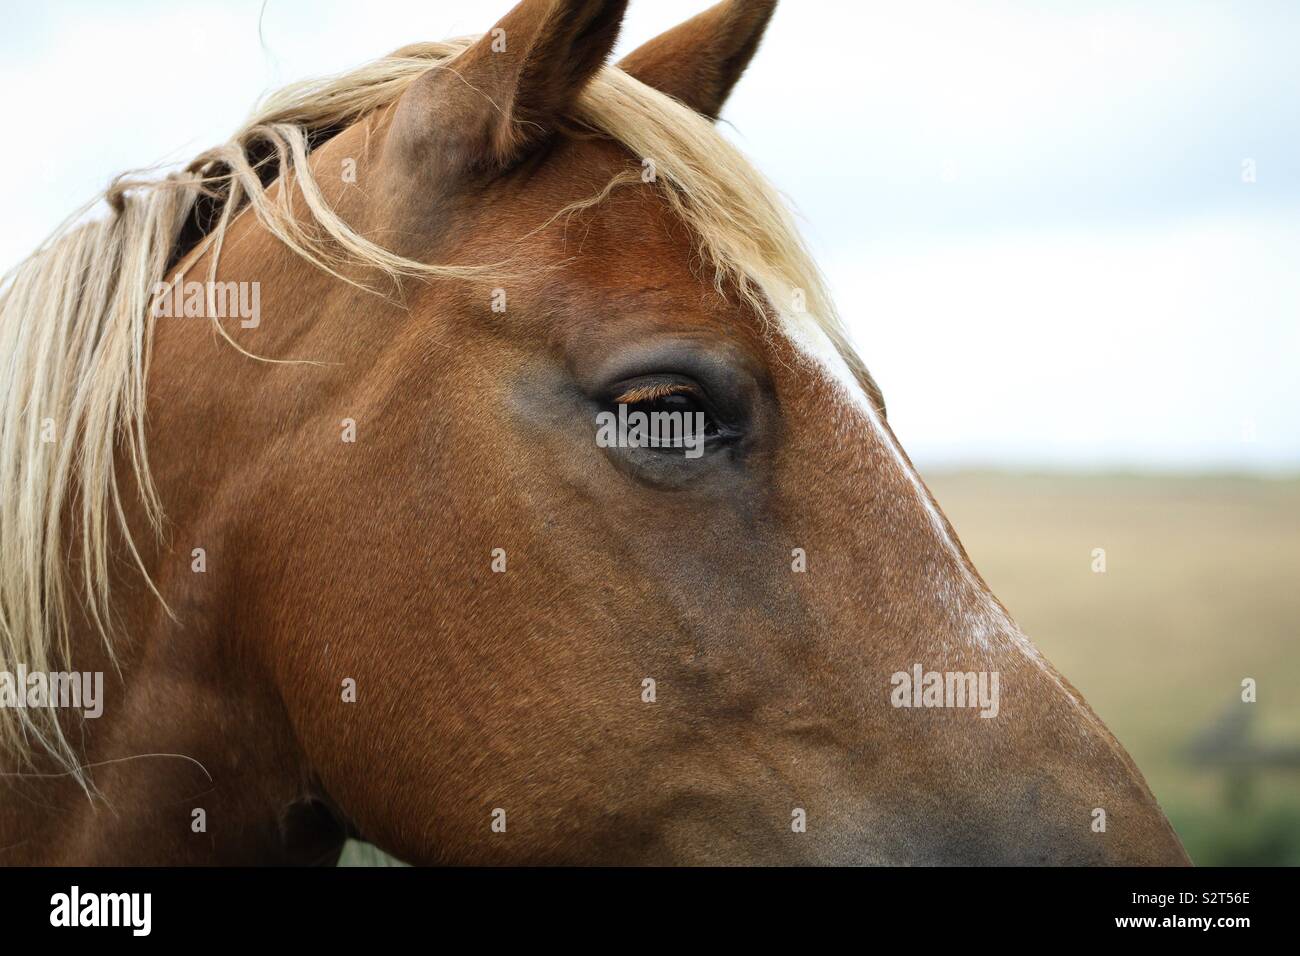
x,y
356,566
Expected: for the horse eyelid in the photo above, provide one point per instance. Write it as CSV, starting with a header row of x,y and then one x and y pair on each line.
x,y
649,393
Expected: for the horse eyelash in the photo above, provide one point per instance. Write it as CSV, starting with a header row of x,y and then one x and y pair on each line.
x,y
649,393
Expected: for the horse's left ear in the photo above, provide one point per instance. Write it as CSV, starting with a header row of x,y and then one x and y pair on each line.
x,y
699,61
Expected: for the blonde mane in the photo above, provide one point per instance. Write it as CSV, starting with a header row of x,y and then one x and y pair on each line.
x,y
75,324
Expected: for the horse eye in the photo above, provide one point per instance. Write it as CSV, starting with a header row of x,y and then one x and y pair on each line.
x,y
689,408
668,416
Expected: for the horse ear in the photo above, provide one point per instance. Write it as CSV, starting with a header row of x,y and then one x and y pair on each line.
x,y
488,106
699,61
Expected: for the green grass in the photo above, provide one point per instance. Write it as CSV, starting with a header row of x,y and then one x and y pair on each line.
x,y
356,853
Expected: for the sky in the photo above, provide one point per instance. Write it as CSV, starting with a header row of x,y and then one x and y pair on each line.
x,y
1063,235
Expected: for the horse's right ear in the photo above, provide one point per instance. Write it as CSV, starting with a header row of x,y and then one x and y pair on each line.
x,y
488,106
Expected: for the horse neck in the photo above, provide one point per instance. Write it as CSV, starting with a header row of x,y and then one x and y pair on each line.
x,y
193,754
192,718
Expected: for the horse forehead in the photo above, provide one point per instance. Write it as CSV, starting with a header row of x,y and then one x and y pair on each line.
x,y
578,170
630,249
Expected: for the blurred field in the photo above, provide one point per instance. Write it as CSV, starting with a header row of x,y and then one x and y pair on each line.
x,y
1202,589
